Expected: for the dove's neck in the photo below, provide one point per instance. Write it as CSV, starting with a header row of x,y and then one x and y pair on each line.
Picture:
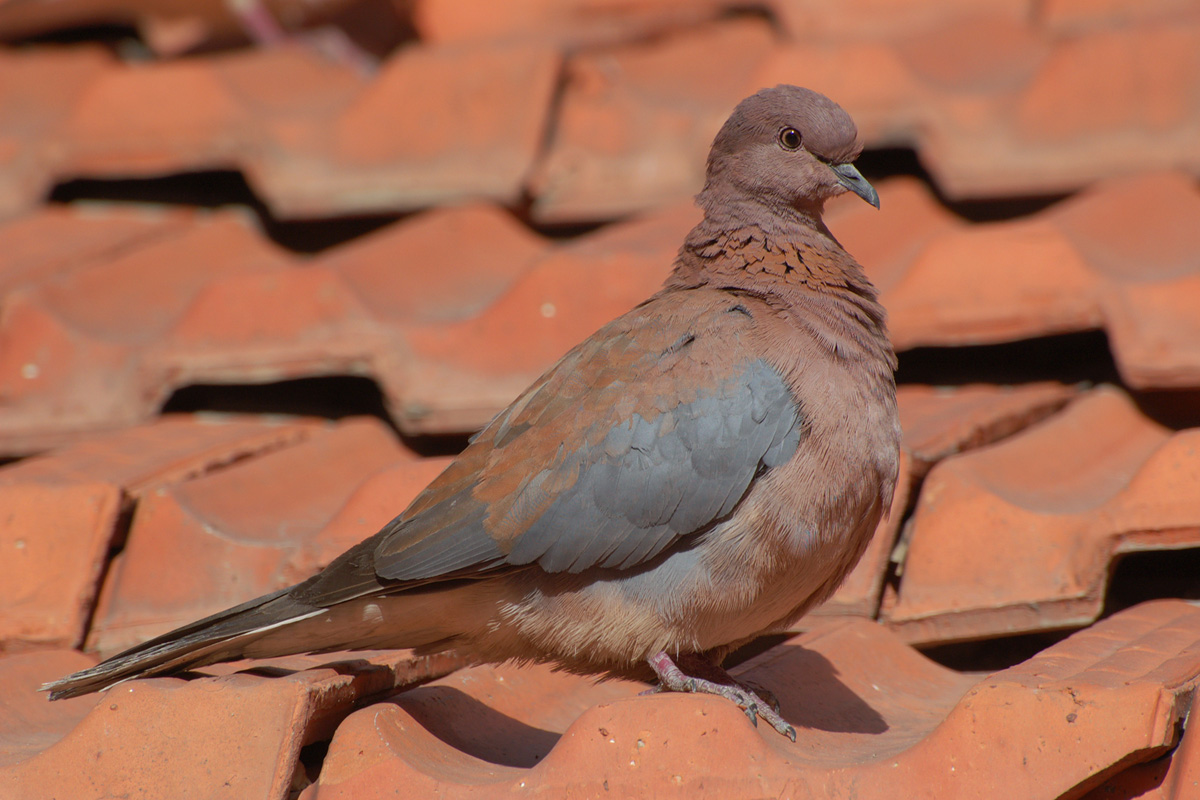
x,y
789,258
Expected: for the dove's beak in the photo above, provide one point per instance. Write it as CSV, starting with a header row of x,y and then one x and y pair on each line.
x,y
852,179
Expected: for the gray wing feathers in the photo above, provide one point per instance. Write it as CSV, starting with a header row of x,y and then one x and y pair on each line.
x,y
653,480
449,549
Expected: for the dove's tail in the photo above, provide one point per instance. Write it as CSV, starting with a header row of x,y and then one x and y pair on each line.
x,y
231,634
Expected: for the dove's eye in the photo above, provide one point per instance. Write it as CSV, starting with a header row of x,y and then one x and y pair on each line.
x,y
790,138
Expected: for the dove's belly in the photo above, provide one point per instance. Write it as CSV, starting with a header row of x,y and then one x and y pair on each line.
x,y
755,573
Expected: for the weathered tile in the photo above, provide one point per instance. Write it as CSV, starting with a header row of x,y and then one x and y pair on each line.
x,y
980,54
28,723
993,283
54,240
161,118
237,735
173,28
1141,79
219,539
55,540
940,421
459,375
873,718
885,19
1050,509
74,347
436,125
635,123
64,509
571,23
1081,16
1174,776
1135,234
39,89
1109,103
443,266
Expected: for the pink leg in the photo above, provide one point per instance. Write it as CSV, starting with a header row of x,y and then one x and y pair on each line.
x,y
672,678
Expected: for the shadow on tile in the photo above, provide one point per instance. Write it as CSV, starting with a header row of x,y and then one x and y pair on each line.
x,y
472,727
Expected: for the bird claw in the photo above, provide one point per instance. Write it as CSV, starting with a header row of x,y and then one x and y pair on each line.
x,y
749,699
764,696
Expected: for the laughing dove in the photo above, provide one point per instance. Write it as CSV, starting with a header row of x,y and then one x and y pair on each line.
x,y
702,470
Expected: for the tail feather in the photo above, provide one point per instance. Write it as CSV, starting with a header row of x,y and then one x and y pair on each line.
x,y
220,637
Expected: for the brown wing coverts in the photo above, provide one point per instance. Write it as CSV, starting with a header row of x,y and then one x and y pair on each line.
x,y
632,453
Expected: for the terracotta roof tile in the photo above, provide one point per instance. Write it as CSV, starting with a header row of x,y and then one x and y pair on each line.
x,y
988,97
1070,494
1008,281
636,121
64,512
1074,16
456,385
172,738
1134,234
320,141
938,422
886,19
170,28
975,54
152,119
109,335
941,421
405,272
1156,97
235,308
570,22
55,240
39,89
255,526
85,334
1120,256
439,124
874,718
1014,503
28,724
1175,776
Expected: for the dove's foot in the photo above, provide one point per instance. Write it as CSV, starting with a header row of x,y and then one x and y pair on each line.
x,y
694,673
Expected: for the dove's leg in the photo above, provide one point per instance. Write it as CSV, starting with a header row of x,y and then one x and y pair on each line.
x,y
693,673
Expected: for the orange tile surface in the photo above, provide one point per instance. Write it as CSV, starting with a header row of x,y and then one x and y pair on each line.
x,y
635,122
987,95
569,22
1059,502
237,735
256,316
222,538
875,719
938,422
444,197
168,27
325,140
64,511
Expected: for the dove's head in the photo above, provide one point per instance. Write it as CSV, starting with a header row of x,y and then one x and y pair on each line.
x,y
788,146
